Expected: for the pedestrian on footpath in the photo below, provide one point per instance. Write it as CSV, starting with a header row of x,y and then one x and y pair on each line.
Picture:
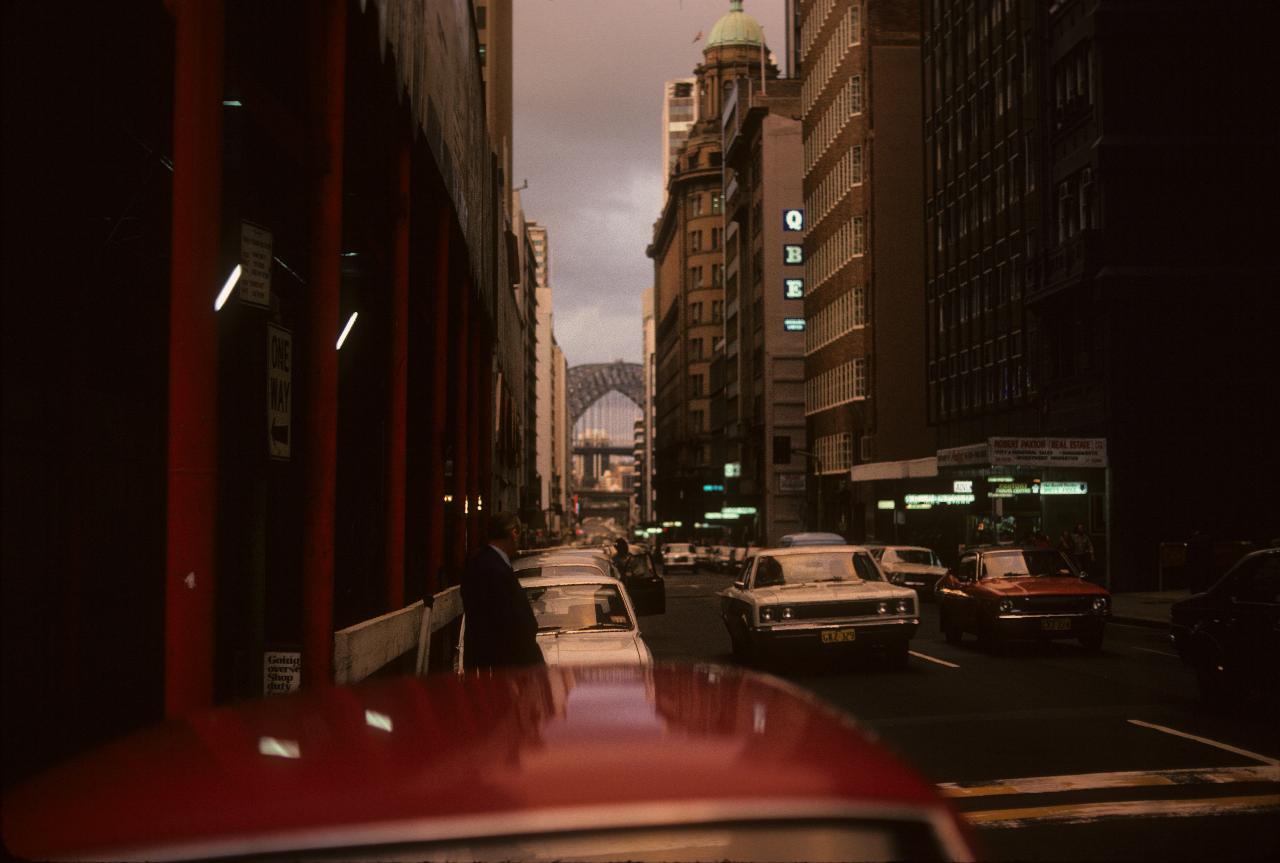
x,y
501,629
1082,548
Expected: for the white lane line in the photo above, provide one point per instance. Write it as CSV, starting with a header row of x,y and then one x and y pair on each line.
x,y
1124,779
933,659
1087,812
1157,652
1226,747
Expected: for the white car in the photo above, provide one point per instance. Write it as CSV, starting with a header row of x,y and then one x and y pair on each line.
x,y
821,596
678,555
584,618
911,566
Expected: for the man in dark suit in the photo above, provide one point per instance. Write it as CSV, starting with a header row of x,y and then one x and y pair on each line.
x,y
500,627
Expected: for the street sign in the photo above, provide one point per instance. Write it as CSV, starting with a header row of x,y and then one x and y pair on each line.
x,y
255,263
279,391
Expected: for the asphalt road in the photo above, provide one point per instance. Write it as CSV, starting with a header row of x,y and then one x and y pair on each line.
x,y
1052,753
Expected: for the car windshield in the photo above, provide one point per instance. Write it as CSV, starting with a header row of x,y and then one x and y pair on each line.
x,y
679,548
814,568
1027,563
577,607
922,556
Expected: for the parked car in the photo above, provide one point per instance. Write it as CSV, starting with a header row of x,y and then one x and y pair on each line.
x,y
1230,633
810,538
678,556
999,592
646,587
550,763
823,596
911,566
584,618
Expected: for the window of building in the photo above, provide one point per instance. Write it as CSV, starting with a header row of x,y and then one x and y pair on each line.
x,y
695,313
695,349
482,17
696,422
695,278
716,236
717,202
483,51
695,241
695,386
695,203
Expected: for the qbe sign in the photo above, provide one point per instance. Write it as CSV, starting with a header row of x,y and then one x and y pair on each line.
x,y
279,391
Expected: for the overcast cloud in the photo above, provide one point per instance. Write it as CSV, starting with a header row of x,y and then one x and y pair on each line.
x,y
588,138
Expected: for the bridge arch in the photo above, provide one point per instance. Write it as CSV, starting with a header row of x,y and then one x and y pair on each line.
x,y
587,384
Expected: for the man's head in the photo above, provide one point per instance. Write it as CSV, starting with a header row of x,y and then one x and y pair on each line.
x,y
503,531
621,547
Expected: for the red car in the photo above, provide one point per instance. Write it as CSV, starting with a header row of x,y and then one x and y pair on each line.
x,y
1001,592
671,763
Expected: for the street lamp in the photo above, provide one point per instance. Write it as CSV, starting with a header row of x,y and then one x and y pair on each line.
x,y
817,476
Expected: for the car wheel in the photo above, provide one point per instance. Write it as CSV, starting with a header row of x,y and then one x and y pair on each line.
x,y
952,632
897,653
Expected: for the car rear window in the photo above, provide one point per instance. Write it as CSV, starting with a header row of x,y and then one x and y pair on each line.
x,y
816,568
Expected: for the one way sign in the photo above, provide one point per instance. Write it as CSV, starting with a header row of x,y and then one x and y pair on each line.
x,y
279,390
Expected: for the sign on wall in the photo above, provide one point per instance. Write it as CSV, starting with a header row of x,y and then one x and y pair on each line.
x,y
792,254
793,289
279,391
793,220
281,672
1049,452
255,264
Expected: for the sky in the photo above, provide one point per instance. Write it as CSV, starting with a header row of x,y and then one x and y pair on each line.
x,y
588,138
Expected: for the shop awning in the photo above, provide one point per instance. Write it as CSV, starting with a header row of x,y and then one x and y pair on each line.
x,y
916,467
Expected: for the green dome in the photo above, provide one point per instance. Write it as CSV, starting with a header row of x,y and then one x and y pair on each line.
x,y
736,28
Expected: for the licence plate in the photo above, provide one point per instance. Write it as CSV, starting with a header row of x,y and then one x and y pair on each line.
x,y
1056,625
830,636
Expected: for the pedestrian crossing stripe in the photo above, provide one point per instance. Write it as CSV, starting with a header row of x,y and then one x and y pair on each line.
x,y
1129,779
1083,813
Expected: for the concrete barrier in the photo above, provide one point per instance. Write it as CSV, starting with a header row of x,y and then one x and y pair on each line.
x,y
362,649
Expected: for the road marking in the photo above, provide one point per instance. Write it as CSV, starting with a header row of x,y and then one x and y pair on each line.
x,y
1157,652
1223,746
1086,812
933,659
1126,779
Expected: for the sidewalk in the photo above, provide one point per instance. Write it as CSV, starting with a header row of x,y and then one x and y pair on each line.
x,y
1145,609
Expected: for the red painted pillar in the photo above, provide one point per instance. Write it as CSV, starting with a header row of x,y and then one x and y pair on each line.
x,y
398,377
439,414
461,425
194,282
327,26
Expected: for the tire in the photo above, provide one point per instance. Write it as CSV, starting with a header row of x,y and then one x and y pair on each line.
x,y
897,654
953,633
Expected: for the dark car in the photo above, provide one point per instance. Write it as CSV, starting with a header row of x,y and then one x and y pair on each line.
x,y
1000,592
553,763
1230,633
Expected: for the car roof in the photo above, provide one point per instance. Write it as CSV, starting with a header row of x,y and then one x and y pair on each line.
x,y
796,551
389,760
576,578
900,547
557,558
810,536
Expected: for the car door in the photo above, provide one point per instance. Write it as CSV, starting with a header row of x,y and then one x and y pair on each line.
x,y
1251,622
964,601
735,603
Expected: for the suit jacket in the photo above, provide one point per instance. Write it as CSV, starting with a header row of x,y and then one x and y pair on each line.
x,y
500,626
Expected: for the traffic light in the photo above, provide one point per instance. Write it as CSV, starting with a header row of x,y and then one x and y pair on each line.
x,y
782,449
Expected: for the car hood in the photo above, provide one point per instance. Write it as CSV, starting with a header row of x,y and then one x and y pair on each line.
x,y
1042,586
914,568
594,648
831,591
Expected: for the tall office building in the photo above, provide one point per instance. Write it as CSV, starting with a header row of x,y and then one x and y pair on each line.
x,y
689,279
679,113
648,348
864,375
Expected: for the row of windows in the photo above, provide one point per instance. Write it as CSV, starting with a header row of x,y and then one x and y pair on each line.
x,y
697,240
697,275
991,291
696,200
846,104
842,177
988,354
695,312
848,312
818,74
834,452
813,22
848,242
984,386
845,383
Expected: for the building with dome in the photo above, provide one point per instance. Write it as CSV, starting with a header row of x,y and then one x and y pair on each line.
x,y
688,256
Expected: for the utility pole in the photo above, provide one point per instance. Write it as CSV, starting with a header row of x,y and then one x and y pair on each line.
x,y
817,477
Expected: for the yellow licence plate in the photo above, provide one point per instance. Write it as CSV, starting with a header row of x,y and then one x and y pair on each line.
x,y
1056,625
830,636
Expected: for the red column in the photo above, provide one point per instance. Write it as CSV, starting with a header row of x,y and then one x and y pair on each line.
x,y
194,281
398,377
439,415
327,26
461,421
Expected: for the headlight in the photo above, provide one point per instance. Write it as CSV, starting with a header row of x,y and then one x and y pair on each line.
x,y
766,613
883,608
1100,604
1006,606
786,613
904,606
